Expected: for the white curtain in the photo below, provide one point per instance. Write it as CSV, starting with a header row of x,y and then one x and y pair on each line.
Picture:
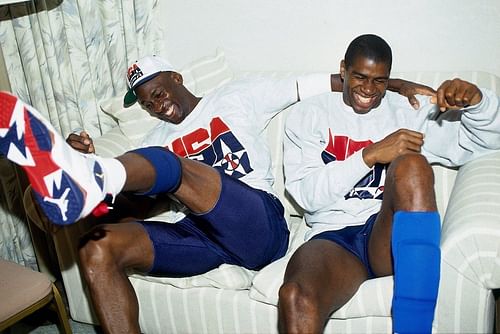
x,y
65,58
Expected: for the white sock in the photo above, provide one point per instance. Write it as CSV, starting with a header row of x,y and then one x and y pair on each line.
x,y
114,175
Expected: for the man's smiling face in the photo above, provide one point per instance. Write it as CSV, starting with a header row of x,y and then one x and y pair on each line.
x,y
365,83
164,97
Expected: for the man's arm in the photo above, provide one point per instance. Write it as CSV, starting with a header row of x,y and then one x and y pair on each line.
x,y
410,89
403,87
468,126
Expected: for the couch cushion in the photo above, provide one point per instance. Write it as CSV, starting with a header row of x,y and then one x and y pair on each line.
x,y
225,277
374,297
133,122
113,143
207,73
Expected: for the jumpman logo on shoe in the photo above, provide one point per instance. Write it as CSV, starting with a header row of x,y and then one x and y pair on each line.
x,y
62,203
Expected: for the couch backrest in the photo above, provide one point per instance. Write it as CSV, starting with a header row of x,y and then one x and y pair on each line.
x,y
117,140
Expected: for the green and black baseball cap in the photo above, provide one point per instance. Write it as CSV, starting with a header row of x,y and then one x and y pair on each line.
x,y
141,71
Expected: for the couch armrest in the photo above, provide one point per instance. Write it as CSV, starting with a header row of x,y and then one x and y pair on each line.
x,y
471,226
470,246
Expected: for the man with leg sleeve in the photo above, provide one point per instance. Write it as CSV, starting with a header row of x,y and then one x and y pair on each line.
x,y
358,163
209,153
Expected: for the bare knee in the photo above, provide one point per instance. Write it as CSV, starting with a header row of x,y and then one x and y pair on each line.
x,y
410,166
412,181
96,251
293,299
298,311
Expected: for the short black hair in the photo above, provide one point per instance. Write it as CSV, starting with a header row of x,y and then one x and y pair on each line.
x,y
370,46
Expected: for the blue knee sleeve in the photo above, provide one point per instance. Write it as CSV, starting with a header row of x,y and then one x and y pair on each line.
x,y
167,167
417,257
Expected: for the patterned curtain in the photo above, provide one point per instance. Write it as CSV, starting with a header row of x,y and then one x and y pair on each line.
x,y
65,57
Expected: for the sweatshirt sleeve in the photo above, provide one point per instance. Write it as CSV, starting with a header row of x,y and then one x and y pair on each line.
x,y
315,186
458,137
313,84
268,96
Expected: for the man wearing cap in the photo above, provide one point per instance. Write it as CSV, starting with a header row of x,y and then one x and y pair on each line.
x,y
209,154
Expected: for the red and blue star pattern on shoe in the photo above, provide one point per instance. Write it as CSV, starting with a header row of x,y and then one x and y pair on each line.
x,y
33,144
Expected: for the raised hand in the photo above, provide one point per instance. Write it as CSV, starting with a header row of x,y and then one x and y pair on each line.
x,y
456,94
81,142
402,141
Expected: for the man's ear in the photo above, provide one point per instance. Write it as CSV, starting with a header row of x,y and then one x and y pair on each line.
x,y
177,77
342,70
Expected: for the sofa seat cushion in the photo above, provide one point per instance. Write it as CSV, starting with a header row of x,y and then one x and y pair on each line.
x,y
374,297
224,277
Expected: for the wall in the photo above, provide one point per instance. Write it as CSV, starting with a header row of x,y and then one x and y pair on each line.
x,y
313,34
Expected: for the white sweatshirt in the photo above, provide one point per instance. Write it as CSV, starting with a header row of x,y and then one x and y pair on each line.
x,y
324,138
225,130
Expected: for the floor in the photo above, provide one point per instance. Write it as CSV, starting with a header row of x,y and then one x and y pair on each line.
x,y
78,328
45,321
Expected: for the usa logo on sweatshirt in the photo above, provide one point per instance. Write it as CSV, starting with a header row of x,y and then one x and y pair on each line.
x,y
215,146
339,148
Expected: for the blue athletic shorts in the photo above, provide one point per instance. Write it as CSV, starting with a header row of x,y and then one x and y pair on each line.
x,y
354,239
246,227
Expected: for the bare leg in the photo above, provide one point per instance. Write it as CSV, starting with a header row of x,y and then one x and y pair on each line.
x,y
200,185
314,286
320,277
106,253
109,252
409,192
409,186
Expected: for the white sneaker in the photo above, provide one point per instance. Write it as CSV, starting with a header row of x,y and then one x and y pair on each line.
x,y
67,184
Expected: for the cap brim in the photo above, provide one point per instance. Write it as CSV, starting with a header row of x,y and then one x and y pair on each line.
x,y
130,98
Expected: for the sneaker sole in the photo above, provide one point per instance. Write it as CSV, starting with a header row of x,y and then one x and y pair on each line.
x,y
29,142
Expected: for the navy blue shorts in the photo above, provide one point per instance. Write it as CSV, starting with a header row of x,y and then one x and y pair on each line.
x,y
354,239
246,227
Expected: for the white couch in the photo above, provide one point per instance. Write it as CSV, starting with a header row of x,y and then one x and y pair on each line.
x,y
234,300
